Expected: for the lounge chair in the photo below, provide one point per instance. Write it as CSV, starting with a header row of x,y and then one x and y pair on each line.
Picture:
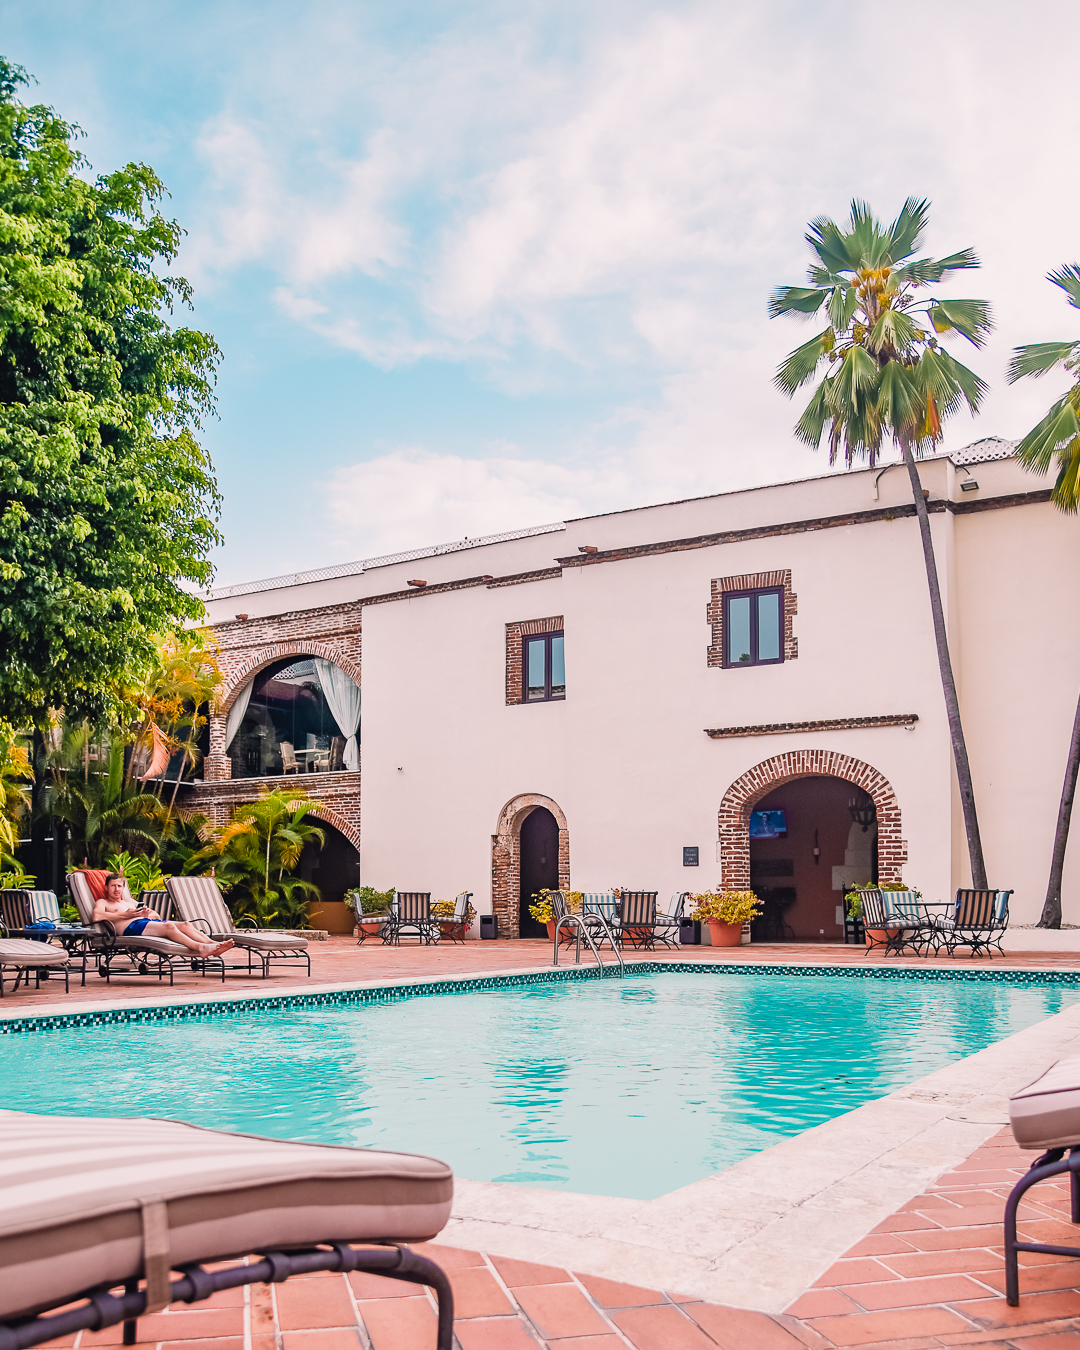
x,y
411,912
22,954
198,901
89,1205
144,955
637,919
1045,1115
978,922
14,911
44,905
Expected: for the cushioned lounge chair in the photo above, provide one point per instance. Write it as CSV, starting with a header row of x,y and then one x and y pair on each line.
x,y
198,901
1044,1115
89,1205
23,955
140,955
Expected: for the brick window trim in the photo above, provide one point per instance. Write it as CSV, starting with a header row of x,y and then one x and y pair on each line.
x,y
515,632
751,581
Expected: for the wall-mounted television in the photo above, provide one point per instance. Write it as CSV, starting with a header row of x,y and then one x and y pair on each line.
x,y
768,824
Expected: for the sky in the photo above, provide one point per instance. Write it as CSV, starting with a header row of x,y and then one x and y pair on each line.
x,y
480,266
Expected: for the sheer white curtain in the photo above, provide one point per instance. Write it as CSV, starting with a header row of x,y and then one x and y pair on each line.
x,y
343,699
236,713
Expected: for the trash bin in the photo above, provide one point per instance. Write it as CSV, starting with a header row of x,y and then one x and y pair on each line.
x,y
690,932
489,926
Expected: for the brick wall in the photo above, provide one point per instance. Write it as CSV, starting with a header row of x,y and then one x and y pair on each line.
x,y
338,793
751,581
734,817
514,634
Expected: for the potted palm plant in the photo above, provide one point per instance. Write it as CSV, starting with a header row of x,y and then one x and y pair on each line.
x,y
725,912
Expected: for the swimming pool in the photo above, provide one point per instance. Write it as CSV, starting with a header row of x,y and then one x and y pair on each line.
x,y
628,1087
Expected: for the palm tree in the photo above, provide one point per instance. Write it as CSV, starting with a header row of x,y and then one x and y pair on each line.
x,y
103,812
888,376
15,772
255,854
1057,436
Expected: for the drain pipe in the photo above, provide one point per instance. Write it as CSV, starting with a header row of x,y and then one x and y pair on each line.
x,y
877,480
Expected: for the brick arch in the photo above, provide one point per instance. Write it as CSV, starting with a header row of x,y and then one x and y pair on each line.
x,y
268,655
506,858
331,817
763,778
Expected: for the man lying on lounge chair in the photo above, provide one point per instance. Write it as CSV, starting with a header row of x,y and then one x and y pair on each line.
x,y
135,920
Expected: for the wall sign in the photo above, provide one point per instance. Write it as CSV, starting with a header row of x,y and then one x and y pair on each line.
x,y
690,857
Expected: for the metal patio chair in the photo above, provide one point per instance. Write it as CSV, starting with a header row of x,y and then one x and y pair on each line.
x,y
456,921
901,933
637,920
667,925
410,913
22,953
978,922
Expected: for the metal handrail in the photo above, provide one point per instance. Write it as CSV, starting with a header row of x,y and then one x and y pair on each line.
x,y
580,927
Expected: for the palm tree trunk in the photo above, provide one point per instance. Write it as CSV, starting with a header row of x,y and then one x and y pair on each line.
x,y
1051,915
948,684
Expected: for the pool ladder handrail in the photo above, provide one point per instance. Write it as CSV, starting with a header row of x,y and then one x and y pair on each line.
x,y
580,927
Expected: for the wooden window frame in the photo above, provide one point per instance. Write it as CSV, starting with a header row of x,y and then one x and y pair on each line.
x,y
752,593
546,639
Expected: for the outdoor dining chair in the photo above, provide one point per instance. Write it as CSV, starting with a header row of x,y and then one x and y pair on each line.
x,y
977,923
902,932
410,913
637,919
198,901
667,925
454,925
105,1214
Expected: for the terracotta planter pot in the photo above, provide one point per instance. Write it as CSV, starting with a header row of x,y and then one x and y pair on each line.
x,y
875,937
552,925
724,934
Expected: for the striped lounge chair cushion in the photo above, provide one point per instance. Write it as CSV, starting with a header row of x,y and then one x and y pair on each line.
x,y
81,1199
26,952
44,905
1046,1114
200,898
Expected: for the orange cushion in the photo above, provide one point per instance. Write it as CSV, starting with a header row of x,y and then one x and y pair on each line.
x,y
96,881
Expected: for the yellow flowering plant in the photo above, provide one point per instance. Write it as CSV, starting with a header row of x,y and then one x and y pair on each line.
x,y
544,911
726,906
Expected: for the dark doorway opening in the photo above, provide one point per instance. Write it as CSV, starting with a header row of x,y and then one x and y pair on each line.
x,y
335,868
539,854
829,843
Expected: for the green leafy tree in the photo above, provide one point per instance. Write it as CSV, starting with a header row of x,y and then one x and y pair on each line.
x,y
16,774
108,504
256,854
1057,437
887,378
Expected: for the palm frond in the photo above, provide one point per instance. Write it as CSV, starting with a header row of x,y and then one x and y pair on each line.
x,y
799,366
904,234
826,239
898,399
969,318
843,302
1068,278
893,329
821,276
857,374
1036,358
811,424
795,300
1067,488
1057,429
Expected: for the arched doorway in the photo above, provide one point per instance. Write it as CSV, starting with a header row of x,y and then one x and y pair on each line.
x,y
506,878
335,869
809,841
859,780
539,854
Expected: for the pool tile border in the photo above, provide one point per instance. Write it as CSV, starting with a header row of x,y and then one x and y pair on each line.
x,y
382,993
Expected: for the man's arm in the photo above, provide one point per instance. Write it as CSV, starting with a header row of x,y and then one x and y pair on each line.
x,y
102,912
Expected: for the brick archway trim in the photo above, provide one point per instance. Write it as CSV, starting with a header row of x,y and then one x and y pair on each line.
x,y
335,818
506,858
763,778
267,655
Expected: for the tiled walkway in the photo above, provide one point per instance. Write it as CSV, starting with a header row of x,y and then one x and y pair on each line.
x,y
930,1276
339,960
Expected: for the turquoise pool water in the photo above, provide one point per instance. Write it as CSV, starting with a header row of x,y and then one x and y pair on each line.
x,y
618,1087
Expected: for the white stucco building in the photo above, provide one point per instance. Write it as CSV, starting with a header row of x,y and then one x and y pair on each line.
x,y
637,684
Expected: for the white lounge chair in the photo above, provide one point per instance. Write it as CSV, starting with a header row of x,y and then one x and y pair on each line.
x,y
198,901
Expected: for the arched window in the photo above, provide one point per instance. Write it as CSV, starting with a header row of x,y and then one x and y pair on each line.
x,y
298,716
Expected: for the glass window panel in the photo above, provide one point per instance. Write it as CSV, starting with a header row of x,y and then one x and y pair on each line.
x,y
739,629
558,668
768,627
534,667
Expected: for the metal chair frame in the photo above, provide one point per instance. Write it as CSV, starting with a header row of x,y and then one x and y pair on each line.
x,y
667,925
903,933
975,922
456,921
637,920
411,910
1050,1164
105,1309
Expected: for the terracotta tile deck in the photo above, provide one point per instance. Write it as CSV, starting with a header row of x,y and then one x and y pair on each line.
x,y
929,1277
339,960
